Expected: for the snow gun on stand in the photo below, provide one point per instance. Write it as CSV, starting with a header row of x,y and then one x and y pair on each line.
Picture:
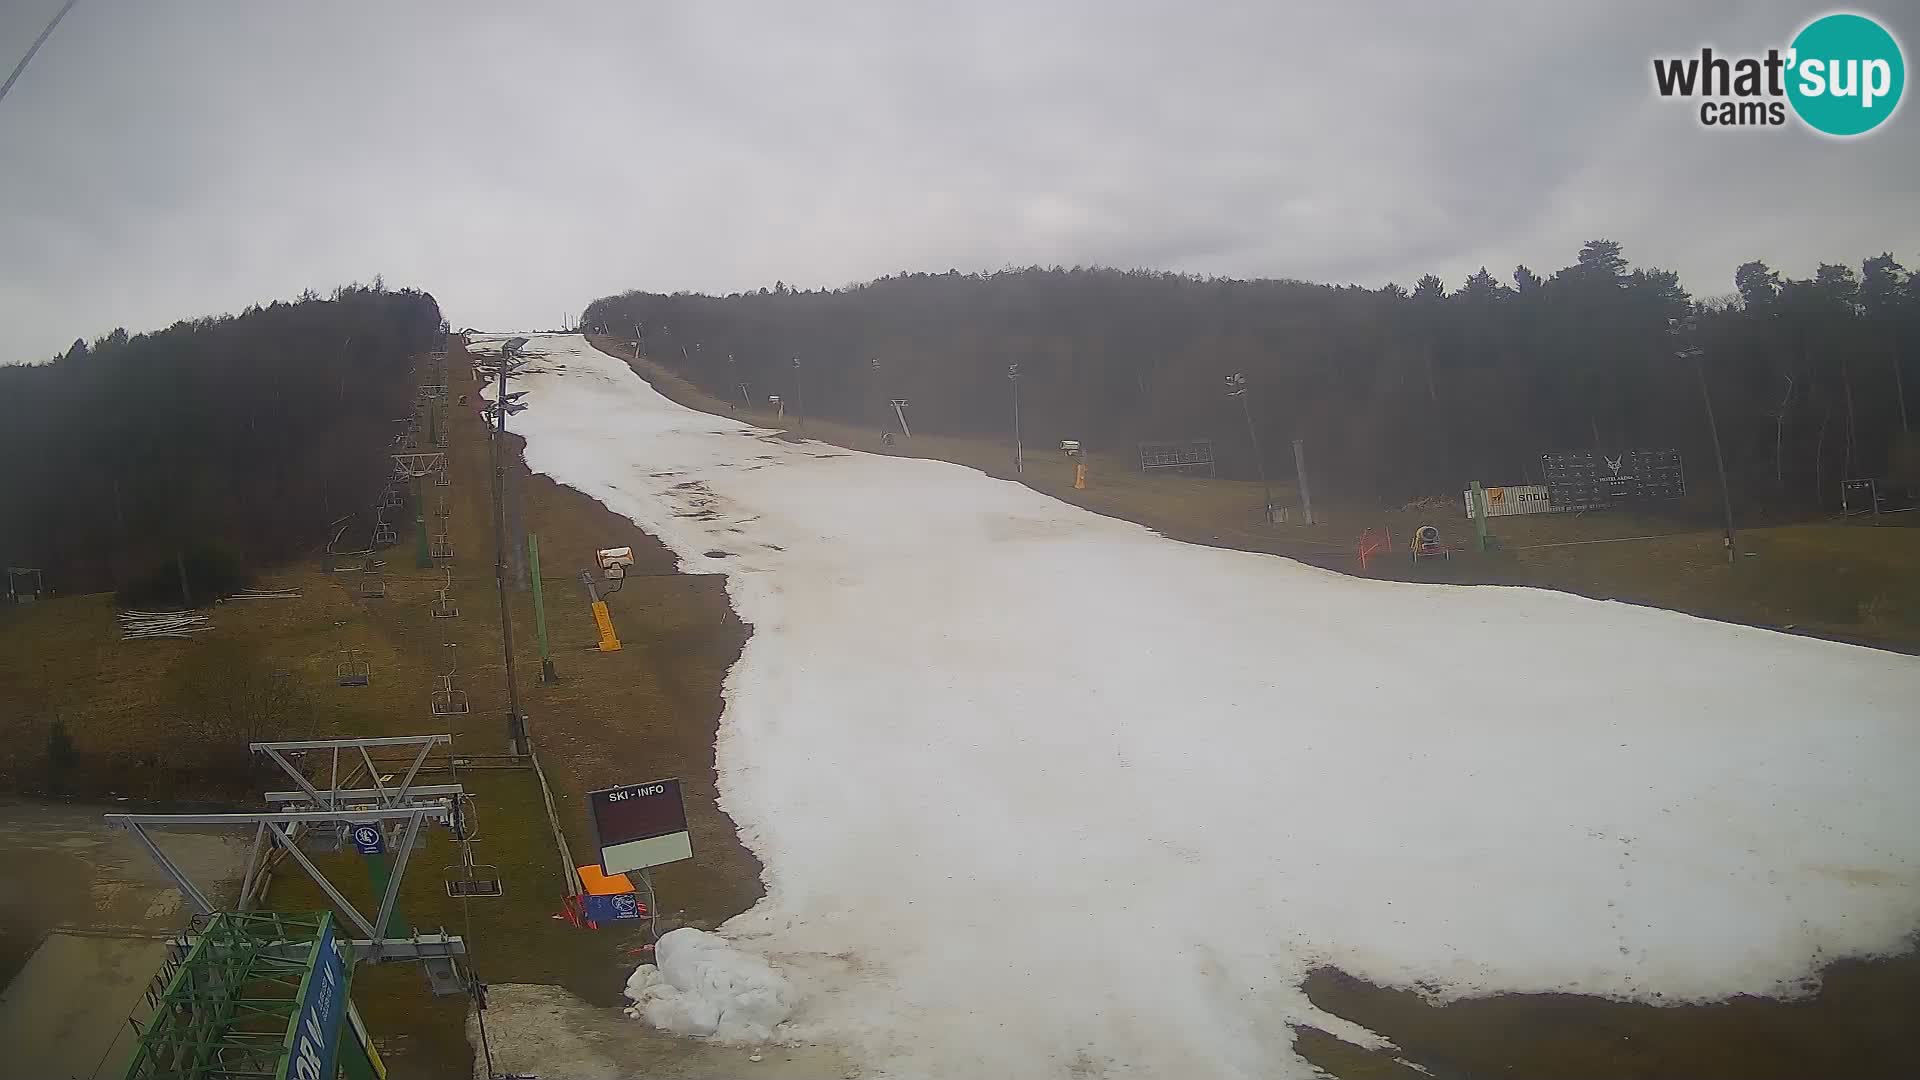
x,y
614,563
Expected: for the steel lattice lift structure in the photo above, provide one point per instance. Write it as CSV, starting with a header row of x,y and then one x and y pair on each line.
x,y
251,993
257,994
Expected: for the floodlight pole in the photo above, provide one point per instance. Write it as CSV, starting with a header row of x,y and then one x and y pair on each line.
x,y
1237,388
516,727
1013,377
1683,331
1300,472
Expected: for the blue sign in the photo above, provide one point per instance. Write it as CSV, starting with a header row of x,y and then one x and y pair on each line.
x,y
316,1027
367,840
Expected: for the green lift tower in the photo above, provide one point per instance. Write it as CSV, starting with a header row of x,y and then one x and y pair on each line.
x,y
256,994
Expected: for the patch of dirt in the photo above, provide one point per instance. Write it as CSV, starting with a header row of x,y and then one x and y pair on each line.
x,y
1859,1025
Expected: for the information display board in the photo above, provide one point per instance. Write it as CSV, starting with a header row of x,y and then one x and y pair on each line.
x,y
1594,479
640,825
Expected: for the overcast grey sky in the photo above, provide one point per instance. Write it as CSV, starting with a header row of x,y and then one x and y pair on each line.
x,y
169,159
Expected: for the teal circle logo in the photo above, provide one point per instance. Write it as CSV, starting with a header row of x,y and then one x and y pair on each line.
x,y
1846,75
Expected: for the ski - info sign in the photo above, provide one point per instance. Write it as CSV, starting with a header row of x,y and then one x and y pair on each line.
x,y
640,825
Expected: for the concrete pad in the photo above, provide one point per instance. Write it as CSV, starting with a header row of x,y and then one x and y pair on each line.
x,y
547,1032
64,869
64,1017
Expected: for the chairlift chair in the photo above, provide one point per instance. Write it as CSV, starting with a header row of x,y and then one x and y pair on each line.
x,y
469,877
383,532
443,606
353,670
441,547
373,584
447,699
440,477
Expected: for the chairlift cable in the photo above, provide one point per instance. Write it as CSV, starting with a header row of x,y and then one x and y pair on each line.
x,y
34,48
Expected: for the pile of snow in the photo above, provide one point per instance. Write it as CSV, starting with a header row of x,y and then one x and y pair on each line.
x,y
1041,793
704,987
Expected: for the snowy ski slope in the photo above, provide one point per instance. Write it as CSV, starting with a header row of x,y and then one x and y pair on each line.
x,y
1041,793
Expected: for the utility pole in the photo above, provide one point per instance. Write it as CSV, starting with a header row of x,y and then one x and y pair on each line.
x,y
1013,377
1861,312
1237,388
799,399
1683,331
516,726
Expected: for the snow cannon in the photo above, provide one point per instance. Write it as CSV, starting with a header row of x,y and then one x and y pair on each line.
x,y
1427,544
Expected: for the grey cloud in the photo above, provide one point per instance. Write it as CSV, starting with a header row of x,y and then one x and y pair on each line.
x,y
166,160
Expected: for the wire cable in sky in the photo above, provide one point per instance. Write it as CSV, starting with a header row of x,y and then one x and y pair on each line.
x,y
37,42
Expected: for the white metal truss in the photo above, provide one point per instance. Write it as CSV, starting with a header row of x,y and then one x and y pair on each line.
x,y
413,466
278,830
356,756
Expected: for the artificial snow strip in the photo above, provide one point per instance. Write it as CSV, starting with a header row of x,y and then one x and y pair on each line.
x,y
1039,792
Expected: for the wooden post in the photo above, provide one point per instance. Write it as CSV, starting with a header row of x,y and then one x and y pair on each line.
x,y
547,674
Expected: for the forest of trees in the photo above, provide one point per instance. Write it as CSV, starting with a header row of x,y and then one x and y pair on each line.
x,y
241,436
1398,392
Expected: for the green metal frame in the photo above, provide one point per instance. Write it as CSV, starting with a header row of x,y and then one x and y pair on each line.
x,y
225,1008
